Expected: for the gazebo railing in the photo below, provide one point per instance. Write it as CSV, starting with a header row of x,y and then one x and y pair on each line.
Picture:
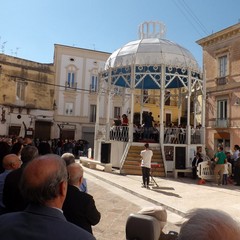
x,y
119,133
172,135
177,135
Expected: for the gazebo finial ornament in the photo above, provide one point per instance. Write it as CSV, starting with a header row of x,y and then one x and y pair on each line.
x,y
152,29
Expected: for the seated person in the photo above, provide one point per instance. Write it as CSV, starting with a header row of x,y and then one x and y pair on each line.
x,y
155,133
118,121
136,133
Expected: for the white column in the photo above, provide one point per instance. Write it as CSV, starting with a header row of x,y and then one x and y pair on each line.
x,y
203,140
162,103
108,106
179,106
141,106
130,128
96,142
195,106
189,108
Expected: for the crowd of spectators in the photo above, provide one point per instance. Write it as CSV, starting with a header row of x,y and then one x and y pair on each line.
x,y
33,189
35,185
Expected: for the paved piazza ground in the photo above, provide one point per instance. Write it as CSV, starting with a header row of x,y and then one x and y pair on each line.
x,y
117,196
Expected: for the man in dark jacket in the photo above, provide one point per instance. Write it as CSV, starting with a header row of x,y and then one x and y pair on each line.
x,y
198,159
12,197
79,207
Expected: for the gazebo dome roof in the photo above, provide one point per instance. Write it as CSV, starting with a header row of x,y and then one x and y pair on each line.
x,y
152,49
145,59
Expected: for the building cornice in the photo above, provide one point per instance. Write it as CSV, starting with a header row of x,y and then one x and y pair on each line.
x,y
220,36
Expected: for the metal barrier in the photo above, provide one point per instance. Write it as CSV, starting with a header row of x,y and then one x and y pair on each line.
x,y
205,170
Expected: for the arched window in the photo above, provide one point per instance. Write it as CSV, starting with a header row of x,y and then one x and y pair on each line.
x,y
94,81
71,77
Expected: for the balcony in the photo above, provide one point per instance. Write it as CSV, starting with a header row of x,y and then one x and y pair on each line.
x,y
70,86
221,123
221,81
92,88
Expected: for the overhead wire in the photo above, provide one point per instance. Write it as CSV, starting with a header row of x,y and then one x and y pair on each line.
x,y
13,77
196,19
189,15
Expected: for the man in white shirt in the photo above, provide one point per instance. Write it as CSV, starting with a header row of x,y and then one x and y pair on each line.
x,y
235,153
146,164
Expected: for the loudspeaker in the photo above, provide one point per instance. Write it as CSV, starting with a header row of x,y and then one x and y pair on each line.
x,y
180,158
105,152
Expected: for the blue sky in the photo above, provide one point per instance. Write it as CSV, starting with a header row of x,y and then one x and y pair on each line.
x,y
30,28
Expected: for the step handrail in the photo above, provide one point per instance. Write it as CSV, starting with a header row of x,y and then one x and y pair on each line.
x,y
124,155
164,159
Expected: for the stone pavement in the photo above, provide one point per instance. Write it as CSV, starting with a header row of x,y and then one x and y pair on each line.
x,y
117,196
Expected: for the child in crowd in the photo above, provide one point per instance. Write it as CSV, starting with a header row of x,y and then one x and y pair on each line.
x,y
225,172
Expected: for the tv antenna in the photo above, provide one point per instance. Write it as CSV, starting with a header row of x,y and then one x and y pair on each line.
x,y
3,46
16,51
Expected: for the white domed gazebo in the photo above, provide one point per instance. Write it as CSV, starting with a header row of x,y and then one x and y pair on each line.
x,y
154,63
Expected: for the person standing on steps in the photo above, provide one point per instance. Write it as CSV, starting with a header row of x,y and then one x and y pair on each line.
x,y
146,155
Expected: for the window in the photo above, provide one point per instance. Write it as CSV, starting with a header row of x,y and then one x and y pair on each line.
x,y
70,80
69,109
222,66
93,86
20,94
117,112
222,120
71,77
222,109
93,109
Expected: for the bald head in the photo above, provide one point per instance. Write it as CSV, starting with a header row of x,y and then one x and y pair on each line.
x,y
75,172
11,162
42,177
209,224
68,158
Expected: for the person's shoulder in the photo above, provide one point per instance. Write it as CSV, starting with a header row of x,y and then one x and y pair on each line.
x,y
75,191
10,218
15,174
78,232
85,195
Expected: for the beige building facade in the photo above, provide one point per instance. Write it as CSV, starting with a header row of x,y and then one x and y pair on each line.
x,y
26,97
221,61
76,87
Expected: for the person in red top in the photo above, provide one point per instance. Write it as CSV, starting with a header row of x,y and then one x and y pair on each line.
x,y
124,120
124,135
